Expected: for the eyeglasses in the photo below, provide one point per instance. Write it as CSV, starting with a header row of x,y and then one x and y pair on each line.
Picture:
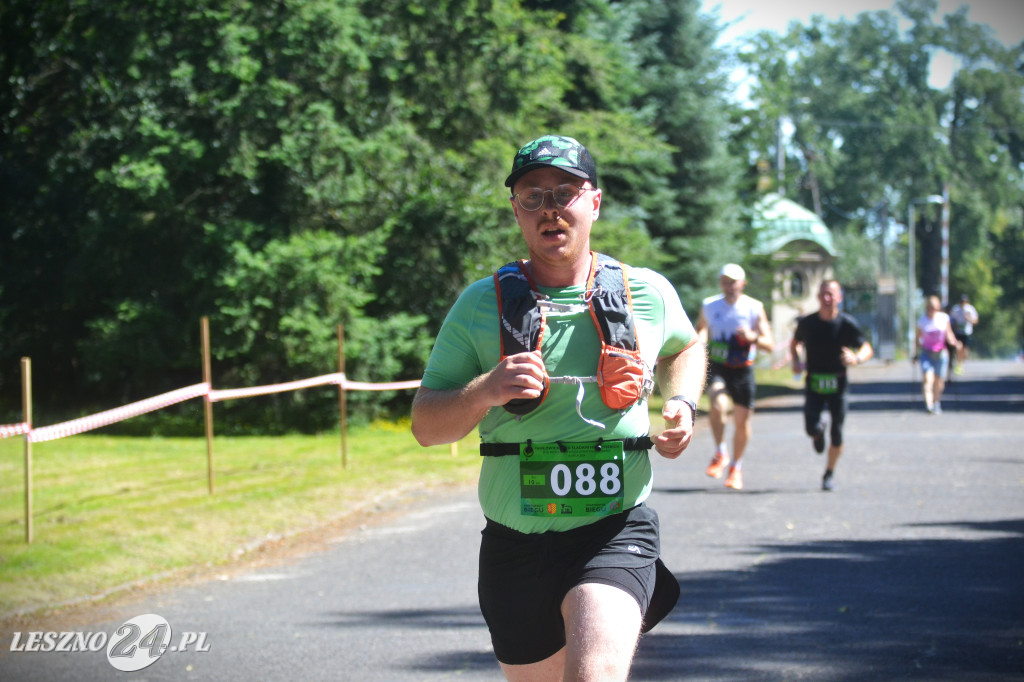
x,y
532,198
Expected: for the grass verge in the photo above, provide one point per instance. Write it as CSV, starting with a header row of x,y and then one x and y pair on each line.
x,y
109,512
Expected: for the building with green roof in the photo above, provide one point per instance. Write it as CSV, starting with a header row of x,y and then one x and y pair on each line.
x,y
800,249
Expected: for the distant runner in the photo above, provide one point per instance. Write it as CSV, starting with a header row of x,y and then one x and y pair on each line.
x,y
832,342
733,326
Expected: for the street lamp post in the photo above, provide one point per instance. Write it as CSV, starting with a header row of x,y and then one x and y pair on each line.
x,y
911,246
944,270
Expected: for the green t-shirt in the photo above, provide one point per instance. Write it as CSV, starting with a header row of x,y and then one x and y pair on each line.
x,y
468,345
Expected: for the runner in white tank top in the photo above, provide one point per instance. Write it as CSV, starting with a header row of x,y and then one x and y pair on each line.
x,y
733,326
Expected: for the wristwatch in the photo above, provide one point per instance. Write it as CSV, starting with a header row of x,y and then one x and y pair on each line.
x,y
691,403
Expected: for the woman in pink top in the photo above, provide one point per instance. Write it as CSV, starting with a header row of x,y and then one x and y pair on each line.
x,y
934,331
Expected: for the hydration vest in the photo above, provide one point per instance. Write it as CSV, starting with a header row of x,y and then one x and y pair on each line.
x,y
622,376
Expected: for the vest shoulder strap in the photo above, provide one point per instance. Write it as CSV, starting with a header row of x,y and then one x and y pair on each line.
x,y
611,303
522,322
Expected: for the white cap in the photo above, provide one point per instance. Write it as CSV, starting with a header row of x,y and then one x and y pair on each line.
x,y
733,271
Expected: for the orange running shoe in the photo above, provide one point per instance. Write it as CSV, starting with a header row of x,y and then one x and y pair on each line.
x,y
718,464
735,479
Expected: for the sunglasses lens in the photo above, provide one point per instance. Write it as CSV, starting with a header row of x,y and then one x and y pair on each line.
x,y
533,198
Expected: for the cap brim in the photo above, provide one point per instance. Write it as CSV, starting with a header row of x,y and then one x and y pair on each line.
x,y
520,172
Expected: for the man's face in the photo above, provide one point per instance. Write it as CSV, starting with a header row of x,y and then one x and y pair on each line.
x,y
830,295
732,288
556,235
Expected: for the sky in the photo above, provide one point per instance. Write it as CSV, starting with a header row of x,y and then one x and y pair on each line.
x,y
1006,17
744,17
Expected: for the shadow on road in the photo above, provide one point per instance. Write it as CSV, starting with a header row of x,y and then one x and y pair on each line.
x,y
936,609
413,618
463,662
1005,394
926,609
726,492
997,394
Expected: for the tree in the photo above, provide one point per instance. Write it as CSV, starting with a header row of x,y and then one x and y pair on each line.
x,y
870,129
171,160
143,145
682,89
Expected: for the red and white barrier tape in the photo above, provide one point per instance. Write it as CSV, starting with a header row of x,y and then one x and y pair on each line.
x,y
8,430
337,378
95,421
393,386
231,393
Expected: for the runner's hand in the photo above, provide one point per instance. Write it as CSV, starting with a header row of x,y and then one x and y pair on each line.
x,y
678,429
519,376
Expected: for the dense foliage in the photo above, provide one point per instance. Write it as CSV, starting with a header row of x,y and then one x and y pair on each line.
x,y
288,167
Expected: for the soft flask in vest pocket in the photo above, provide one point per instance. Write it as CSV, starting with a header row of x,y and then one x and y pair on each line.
x,y
620,377
521,406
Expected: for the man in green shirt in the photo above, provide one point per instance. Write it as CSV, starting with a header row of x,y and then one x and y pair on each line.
x,y
569,560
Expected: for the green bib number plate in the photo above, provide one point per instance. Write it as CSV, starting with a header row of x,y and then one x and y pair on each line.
x,y
824,384
571,479
718,351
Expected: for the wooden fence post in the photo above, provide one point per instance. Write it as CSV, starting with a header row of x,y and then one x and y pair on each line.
x,y
26,409
207,403
342,404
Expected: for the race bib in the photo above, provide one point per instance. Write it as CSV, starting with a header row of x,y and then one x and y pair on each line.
x,y
824,384
718,351
571,479
735,353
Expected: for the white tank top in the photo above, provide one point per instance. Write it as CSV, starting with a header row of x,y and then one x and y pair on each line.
x,y
725,346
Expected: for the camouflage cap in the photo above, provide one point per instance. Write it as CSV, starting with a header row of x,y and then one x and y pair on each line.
x,y
561,152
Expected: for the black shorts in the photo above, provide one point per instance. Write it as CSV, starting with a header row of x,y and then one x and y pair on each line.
x,y
837,403
739,383
963,338
524,578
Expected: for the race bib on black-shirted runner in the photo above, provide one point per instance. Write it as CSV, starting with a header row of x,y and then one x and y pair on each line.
x,y
824,384
571,479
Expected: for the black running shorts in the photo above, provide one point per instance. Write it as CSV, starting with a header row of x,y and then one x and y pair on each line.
x,y
739,383
837,403
524,578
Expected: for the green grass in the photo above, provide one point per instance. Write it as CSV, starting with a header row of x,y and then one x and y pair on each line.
x,y
112,511
773,382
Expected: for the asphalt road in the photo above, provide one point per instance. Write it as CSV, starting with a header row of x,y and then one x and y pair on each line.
x,y
912,569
